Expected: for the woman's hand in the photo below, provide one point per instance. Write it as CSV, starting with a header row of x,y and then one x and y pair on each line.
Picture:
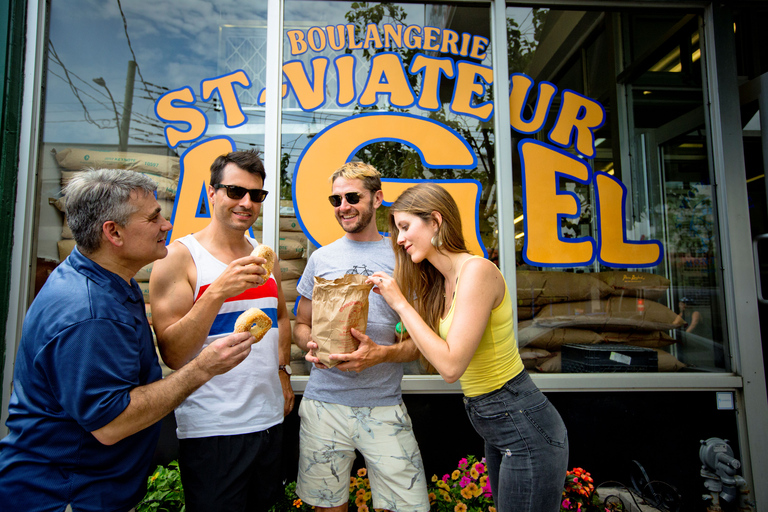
x,y
387,287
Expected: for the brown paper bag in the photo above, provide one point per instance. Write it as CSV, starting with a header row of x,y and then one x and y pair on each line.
x,y
338,306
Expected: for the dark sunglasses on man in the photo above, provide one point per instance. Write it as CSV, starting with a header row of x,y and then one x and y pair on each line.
x,y
234,192
351,197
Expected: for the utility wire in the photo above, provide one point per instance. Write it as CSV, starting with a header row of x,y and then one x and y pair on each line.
x,y
130,47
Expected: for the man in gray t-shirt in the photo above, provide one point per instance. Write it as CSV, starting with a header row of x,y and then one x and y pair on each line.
x,y
357,405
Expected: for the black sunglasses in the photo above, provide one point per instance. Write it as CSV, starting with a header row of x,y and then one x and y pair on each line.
x,y
234,192
351,197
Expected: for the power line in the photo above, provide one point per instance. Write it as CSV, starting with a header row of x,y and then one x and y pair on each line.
x,y
130,47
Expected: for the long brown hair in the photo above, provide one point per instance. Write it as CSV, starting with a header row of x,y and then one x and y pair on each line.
x,y
422,284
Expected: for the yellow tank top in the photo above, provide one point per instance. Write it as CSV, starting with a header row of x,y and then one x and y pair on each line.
x,y
496,359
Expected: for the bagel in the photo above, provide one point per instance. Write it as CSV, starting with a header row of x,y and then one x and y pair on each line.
x,y
254,321
266,252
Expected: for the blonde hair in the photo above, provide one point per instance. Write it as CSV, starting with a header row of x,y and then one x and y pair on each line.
x,y
421,283
370,177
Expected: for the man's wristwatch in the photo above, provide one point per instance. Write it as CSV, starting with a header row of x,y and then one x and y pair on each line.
x,y
285,368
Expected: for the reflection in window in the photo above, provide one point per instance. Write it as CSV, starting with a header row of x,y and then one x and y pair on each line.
x,y
597,318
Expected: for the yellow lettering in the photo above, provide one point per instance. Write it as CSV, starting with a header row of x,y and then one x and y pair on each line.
x,y
520,89
467,87
195,175
450,38
434,69
335,37
465,40
345,72
176,107
479,44
233,114
309,95
544,205
393,35
296,39
438,146
431,39
614,250
353,45
581,114
316,39
372,36
387,76
412,41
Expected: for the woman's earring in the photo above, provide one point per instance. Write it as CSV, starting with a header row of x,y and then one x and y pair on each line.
x,y
435,241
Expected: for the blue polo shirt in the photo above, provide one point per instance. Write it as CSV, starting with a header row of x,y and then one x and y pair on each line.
x,y
85,345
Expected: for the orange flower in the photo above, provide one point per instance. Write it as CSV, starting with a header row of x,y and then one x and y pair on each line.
x,y
473,473
360,501
362,472
491,509
466,493
360,492
432,498
363,508
460,507
455,475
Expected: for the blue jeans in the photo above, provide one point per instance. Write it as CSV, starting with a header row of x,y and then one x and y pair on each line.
x,y
526,445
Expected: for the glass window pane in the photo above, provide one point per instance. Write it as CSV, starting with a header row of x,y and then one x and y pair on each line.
x,y
620,275
404,87
108,66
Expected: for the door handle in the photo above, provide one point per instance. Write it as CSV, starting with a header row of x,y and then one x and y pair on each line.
x,y
756,258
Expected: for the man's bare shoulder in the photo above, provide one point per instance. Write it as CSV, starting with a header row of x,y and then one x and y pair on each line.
x,y
177,261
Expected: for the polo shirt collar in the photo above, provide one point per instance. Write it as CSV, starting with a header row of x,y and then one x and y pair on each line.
x,y
109,281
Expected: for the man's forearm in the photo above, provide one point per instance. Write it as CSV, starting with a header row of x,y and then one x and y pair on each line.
x,y
301,335
402,352
181,341
152,402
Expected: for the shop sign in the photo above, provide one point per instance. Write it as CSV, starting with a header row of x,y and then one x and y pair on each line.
x,y
569,143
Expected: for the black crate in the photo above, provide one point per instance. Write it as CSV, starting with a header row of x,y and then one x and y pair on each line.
x,y
608,357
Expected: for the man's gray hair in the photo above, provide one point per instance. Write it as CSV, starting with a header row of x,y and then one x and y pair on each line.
x,y
94,197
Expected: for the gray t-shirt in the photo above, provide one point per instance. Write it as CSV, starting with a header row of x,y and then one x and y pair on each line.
x,y
379,384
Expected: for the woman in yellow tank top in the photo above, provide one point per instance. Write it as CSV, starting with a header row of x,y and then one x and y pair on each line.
x,y
458,311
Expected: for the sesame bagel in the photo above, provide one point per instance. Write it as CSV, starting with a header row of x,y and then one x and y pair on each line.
x,y
266,252
255,321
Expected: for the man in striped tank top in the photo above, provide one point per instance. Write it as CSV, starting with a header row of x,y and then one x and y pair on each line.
x,y
230,430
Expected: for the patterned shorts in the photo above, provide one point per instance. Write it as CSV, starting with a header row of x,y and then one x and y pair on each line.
x,y
329,435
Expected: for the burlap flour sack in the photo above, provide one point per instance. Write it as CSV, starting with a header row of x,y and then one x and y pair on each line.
x,y
76,159
614,314
338,306
635,284
546,287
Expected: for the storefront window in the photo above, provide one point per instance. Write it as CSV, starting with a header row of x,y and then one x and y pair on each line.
x,y
404,87
109,68
617,272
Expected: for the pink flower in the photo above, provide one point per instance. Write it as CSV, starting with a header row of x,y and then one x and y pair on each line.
x,y
464,481
463,463
479,467
566,503
446,477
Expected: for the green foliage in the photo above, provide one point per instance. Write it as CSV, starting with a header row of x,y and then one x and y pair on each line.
x,y
164,491
291,502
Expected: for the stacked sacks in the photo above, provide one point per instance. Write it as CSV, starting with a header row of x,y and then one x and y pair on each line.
x,y
163,170
604,307
292,255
